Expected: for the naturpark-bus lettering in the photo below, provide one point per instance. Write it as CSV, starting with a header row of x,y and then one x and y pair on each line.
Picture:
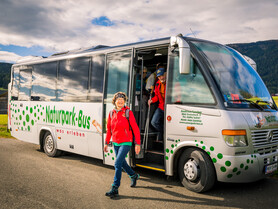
x,y
67,117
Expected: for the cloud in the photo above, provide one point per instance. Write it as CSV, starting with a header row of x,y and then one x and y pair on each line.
x,y
58,25
9,57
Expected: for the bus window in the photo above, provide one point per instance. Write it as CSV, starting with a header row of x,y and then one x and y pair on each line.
x,y
189,88
97,77
44,82
117,77
73,79
25,80
15,83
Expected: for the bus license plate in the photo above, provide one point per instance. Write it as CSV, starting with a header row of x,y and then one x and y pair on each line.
x,y
270,168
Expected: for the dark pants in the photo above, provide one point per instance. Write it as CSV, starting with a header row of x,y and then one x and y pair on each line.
x,y
158,122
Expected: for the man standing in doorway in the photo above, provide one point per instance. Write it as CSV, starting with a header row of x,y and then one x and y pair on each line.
x,y
159,91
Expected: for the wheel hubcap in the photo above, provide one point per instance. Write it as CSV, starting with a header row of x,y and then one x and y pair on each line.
x,y
191,170
49,144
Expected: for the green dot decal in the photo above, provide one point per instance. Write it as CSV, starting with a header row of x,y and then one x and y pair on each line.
x,y
172,152
197,145
113,158
238,173
20,117
167,150
203,147
195,140
35,107
214,160
251,155
27,118
223,169
111,151
38,110
230,176
208,153
211,148
246,167
35,114
228,163
248,161
41,113
241,165
202,142
32,122
29,128
38,118
108,154
252,161
23,112
172,146
166,157
235,170
220,156
105,155
23,124
31,110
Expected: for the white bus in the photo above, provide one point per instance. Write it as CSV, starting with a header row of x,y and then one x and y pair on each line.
x,y
220,122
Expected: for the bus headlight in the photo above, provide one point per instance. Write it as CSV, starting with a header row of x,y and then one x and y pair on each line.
x,y
235,138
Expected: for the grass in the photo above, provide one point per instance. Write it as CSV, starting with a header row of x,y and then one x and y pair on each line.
x,y
3,127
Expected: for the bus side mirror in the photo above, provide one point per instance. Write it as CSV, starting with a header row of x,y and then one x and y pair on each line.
x,y
184,52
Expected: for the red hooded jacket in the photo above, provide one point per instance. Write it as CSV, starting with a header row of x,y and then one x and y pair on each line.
x,y
118,127
158,96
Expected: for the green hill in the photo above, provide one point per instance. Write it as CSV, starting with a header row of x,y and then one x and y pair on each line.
x,y
265,54
5,75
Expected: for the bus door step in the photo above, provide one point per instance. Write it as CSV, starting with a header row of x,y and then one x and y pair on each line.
x,y
152,166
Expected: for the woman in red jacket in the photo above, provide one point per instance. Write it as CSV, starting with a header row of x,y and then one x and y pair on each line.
x,y
119,127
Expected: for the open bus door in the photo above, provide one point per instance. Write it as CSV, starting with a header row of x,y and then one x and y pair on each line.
x,y
117,78
152,150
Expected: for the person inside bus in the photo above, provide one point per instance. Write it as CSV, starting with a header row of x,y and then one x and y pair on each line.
x,y
120,127
144,102
159,91
152,79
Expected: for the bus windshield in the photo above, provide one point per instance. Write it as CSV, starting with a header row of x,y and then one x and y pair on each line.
x,y
239,83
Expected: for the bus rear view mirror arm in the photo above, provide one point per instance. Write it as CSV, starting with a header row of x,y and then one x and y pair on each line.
x,y
184,53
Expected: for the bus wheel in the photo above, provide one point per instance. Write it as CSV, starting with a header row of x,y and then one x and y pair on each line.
x,y
49,146
196,170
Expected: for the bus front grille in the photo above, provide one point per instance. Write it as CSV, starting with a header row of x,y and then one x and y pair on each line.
x,y
265,141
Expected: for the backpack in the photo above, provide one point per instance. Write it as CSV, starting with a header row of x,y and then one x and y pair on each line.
x,y
126,114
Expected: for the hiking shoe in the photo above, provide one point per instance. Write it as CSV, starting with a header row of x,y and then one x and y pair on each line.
x,y
134,179
113,192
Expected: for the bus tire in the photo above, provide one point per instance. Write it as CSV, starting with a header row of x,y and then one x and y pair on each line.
x,y
196,170
49,146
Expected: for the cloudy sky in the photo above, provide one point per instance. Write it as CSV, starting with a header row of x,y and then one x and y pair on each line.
x,y
41,28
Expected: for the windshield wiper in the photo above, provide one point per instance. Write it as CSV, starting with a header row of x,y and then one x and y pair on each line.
x,y
255,104
271,105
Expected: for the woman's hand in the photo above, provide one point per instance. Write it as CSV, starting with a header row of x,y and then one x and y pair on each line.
x,y
137,149
105,148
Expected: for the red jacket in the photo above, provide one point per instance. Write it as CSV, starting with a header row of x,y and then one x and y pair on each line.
x,y
118,127
158,96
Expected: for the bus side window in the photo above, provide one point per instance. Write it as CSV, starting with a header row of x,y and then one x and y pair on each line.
x,y
73,79
44,82
15,83
97,77
25,82
189,88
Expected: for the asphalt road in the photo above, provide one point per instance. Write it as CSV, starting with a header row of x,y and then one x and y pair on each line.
x,y
30,179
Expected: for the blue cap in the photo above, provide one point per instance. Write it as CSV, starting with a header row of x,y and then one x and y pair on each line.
x,y
160,72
